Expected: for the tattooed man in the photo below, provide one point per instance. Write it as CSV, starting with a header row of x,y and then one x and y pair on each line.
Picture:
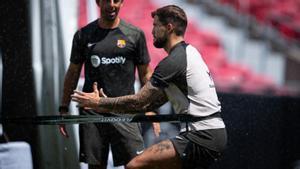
x,y
184,79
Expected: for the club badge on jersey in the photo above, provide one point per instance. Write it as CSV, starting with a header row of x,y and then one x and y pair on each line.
x,y
121,43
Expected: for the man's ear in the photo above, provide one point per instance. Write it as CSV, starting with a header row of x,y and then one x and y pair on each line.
x,y
170,27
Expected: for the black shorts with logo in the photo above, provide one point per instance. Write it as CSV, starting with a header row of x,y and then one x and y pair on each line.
x,y
124,138
199,149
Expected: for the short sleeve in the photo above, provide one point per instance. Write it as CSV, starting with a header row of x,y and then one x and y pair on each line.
x,y
142,50
77,49
165,72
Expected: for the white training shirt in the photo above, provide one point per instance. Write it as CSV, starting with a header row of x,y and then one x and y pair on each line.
x,y
189,86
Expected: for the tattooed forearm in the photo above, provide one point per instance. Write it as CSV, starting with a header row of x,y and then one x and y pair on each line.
x,y
163,146
160,147
147,99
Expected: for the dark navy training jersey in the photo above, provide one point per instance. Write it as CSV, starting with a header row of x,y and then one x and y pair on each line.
x,y
187,82
110,56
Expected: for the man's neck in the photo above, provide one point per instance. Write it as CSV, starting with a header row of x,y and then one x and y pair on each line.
x,y
105,24
172,42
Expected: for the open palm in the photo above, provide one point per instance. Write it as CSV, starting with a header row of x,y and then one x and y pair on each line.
x,y
88,100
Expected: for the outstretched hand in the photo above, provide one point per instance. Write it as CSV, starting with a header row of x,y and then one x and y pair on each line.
x,y
88,100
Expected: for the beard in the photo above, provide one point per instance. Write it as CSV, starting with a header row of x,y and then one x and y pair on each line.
x,y
106,15
160,42
110,18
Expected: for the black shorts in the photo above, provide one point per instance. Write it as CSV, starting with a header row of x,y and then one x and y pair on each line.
x,y
124,138
199,149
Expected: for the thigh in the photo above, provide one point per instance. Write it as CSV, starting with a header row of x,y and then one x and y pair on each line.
x,y
195,148
94,144
161,156
126,142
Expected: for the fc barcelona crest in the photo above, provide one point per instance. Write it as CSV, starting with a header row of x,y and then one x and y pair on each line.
x,y
121,43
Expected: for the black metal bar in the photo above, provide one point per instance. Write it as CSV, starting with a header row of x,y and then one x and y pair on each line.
x,y
101,118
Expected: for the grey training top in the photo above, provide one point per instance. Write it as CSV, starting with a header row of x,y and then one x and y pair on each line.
x,y
189,86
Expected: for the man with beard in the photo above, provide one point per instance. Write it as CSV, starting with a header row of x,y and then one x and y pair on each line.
x,y
183,78
110,50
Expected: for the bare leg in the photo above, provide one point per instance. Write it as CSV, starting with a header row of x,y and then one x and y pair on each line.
x,y
158,156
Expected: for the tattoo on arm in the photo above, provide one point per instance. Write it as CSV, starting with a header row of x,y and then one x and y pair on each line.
x,y
148,98
160,147
163,146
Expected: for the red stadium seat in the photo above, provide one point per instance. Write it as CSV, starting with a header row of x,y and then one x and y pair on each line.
x,y
228,77
280,14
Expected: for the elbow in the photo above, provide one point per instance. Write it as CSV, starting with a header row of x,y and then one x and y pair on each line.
x,y
149,107
141,105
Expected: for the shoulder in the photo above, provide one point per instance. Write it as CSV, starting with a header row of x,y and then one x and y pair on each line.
x,y
128,28
179,53
86,30
191,50
91,26
179,49
176,60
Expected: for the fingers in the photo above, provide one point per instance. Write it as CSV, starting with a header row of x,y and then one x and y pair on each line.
x,y
95,87
102,94
156,129
87,100
76,98
79,99
63,131
79,93
83,107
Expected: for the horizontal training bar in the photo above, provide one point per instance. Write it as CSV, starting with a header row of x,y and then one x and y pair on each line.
x,y
100,118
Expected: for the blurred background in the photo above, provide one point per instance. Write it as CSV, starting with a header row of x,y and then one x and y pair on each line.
x,y
252,48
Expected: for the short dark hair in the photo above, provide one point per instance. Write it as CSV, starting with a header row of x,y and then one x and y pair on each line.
x,y
172,14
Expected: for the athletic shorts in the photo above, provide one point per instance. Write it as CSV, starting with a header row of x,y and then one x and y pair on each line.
x,y
199,149
124,138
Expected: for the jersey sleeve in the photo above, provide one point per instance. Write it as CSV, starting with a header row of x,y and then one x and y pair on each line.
x,y
77,49
142,50
166,72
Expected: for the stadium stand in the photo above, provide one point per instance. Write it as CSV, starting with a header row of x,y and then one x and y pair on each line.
x,y
228,76
281,15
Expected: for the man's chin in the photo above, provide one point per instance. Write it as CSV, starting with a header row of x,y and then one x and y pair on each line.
x,y
111,18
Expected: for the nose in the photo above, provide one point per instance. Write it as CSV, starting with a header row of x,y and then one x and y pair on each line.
x,y
111,3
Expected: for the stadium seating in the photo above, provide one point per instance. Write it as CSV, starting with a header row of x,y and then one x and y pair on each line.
x,y
228,77
282,15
